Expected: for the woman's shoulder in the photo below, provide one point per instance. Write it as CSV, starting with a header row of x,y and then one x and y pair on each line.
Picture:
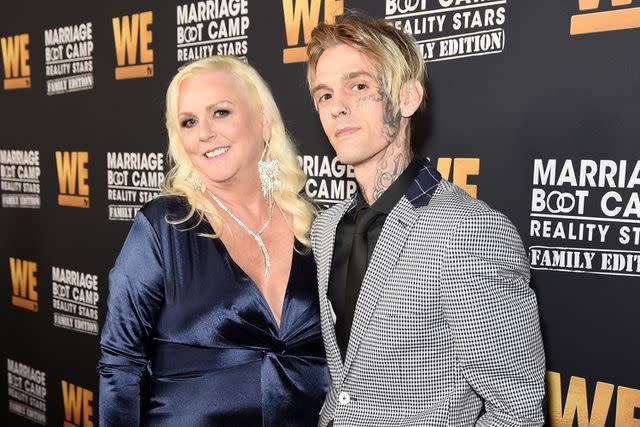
x,y
163,208
168,213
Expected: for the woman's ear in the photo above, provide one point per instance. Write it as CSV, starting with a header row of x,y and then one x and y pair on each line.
x,y
411,96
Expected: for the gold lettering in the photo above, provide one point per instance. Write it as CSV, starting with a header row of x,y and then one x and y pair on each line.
x,y
72,175
83,173
628,401
462,168
609,20
146,37
23,278
126,38
66,164
127,32
576,402
308,15
10,55
72,401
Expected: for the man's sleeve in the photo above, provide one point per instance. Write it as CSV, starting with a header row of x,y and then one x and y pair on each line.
x,y
493,316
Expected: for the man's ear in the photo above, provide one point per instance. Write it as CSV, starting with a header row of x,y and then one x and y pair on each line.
x,y
411,95
266,126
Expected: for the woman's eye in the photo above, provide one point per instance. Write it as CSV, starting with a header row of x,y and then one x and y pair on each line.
x,y
188,123
359,86
221,113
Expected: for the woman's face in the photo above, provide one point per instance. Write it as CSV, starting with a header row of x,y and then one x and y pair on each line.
x,y
221,129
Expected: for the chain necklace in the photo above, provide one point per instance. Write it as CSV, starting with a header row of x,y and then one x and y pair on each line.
x,y
256,236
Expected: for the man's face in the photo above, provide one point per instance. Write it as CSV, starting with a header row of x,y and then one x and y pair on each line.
x,y
354,110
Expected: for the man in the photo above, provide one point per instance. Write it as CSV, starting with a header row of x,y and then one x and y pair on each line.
x,y
427,316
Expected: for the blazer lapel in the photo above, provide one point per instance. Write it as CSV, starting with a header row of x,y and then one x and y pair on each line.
x,y
385,255
324,267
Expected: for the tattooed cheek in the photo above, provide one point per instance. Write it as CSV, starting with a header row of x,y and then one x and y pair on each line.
x,y
367,98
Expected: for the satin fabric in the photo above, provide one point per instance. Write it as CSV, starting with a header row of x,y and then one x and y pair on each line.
x,y
183,313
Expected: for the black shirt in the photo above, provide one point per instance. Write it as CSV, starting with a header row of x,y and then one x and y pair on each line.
x,y
343,242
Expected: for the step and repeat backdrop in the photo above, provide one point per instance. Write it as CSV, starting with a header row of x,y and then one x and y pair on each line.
x,y
533,107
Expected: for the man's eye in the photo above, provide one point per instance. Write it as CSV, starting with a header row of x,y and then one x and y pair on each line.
x,y
220,113
359,86
188,123
324,97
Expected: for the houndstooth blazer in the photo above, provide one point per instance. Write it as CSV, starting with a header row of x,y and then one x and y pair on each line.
x,y
446,329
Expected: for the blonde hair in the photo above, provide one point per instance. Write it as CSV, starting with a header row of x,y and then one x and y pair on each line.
x,y
292,178
396,54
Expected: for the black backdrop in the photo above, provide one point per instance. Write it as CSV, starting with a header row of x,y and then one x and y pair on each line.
x,y
518,108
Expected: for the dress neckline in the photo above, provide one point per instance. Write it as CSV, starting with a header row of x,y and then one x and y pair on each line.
x,y
235,267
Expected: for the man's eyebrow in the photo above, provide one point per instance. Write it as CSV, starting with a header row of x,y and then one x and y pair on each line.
x,y
354,74
319,87
345,77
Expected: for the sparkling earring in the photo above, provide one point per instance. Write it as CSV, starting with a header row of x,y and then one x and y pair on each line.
x,y
268,172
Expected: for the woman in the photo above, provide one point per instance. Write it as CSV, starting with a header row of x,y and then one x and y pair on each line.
x,y
214,293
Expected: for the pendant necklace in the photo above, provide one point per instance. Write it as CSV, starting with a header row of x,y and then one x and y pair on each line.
x,y
256,236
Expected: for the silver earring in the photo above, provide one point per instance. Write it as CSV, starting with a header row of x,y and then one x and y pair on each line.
x,y
268,172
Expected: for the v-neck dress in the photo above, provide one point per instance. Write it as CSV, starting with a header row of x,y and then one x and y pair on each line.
x,y
186,318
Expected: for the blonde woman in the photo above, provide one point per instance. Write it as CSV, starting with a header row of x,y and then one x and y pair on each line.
x,y
214,294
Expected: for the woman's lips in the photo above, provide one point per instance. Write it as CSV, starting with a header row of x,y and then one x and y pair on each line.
x,y
216,152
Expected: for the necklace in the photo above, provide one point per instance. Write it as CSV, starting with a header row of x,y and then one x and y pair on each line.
x,y
256,236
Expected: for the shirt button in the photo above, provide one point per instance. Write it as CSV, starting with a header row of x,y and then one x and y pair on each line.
x,y
344,398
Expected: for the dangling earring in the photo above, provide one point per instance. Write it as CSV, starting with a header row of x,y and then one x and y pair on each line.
x,y
268,172
195,182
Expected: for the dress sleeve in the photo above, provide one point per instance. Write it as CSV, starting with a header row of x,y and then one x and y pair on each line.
x,y
493,315
135,298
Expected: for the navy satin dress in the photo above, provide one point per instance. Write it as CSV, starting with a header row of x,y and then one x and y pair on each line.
x,y
181,311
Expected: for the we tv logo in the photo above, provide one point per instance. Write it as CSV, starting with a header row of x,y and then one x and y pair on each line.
x,y
597,17
24,283
78,408
305,15
15,57
72,178
132,36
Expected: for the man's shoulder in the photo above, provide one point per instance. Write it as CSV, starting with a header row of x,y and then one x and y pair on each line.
x,y
451,201
454,210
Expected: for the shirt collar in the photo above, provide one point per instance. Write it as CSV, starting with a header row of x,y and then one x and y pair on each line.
x,y
424,185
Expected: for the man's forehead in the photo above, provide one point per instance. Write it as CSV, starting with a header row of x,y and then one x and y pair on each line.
x,y
343,62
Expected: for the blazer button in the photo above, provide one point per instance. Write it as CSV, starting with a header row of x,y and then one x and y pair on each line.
x,y
344,398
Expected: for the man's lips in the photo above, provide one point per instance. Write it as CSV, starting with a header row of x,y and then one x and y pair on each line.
x,y
346,131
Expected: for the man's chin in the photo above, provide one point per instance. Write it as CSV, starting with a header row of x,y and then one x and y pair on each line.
x,y
346,160
352,160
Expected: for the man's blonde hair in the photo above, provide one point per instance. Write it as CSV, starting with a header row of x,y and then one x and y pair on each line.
x,y
395,54
291,177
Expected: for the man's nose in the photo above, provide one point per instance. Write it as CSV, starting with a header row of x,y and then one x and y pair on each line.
x,y
339,106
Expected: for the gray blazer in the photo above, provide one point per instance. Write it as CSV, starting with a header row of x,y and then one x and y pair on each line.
x,y
445,324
